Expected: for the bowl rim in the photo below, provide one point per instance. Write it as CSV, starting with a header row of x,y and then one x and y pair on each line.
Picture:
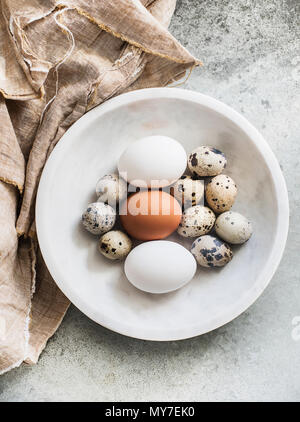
x,y
270,266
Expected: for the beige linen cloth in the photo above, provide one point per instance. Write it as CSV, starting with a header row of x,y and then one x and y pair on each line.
x,y
58,59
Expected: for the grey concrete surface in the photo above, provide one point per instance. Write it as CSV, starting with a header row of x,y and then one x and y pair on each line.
x,y
251,52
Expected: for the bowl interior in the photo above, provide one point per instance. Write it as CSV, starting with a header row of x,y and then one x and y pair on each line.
x,y
90,149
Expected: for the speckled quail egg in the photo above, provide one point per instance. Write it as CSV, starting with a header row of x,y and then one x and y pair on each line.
x,y
196,221
210,251
206,161
220,193
115,245
99,218
188,191
233,227
111,189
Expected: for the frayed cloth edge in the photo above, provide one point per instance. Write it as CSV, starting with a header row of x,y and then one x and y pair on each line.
x,y
11,182
14,365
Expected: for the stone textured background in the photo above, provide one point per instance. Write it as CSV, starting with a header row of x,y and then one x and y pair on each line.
x,y
251,52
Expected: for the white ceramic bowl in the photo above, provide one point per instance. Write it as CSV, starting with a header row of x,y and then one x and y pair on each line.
x,y
91,148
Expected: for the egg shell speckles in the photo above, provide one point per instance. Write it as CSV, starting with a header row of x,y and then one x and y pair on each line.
x,y
196,221
206,161
233,227
210,251
99,218
111,189
188,191
115,245
220,193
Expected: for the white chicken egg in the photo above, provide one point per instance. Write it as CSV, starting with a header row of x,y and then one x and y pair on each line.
x,y
154,161
159,266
